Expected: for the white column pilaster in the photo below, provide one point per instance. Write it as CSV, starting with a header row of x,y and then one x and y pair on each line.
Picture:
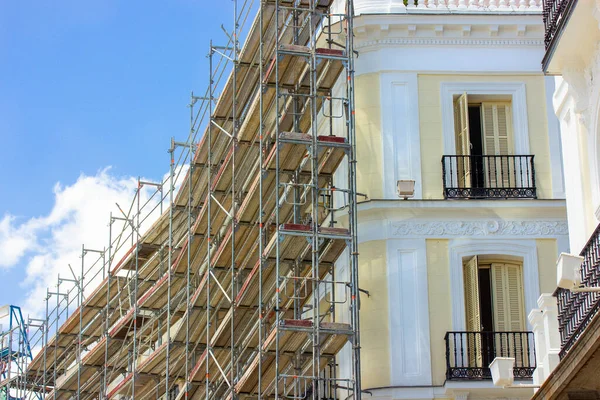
x,y
549,307
537,322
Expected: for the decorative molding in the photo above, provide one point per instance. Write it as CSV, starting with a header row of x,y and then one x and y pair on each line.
x,y
448,6
494,30
440,41
516,90
579,88
479,228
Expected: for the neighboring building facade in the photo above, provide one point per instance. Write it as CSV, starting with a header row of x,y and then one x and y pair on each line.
x,y
573,52
450,95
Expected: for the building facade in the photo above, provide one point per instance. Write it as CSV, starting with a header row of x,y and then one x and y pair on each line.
x,y
573,343
450,95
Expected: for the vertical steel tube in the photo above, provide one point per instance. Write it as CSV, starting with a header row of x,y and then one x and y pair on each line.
x,y
209,227
169,262
107,321
261,237
45,345
353,207
314,149
56,337
135,291
277,184
232,353
80,337
189,254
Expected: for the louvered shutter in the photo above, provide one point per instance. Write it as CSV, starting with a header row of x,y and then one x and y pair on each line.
x,y
497,141
509,311
463,144
473,313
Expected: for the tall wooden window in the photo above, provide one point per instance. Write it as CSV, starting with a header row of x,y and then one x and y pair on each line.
x,y
483,128
494,302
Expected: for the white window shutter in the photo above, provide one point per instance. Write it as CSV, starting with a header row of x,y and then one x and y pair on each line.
x,y
461,124
496,129
507,287
509,310
497,141
473,311
463,143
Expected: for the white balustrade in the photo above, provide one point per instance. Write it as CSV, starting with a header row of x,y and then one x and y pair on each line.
x,y
544,321
455,6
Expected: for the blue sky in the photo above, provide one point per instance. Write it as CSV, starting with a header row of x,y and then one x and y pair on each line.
x,y
86,85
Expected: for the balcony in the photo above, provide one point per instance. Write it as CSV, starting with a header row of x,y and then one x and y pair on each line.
x,y
577,309
469,354
554,14
488,177
571,34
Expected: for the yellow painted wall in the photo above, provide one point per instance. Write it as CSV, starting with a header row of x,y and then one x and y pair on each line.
x,y
369,145
374,320
430,125
440,307
547,255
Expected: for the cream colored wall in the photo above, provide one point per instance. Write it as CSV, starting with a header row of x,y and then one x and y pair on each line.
x,y
440,310
547,253
374,317
587,181
430,125
369,145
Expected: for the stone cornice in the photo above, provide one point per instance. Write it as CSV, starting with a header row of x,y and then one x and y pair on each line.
x,y
448,6
479,228
384,30
449,42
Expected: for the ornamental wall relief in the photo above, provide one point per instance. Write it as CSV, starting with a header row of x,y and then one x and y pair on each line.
x,y
479,228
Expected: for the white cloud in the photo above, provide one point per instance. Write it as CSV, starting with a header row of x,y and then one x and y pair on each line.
x,y
13,242
46,245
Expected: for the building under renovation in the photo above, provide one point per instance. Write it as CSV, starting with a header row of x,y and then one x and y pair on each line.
x,y
435,115
231,293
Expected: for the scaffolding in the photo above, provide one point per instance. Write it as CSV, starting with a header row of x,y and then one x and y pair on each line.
x,y
234,291
15,353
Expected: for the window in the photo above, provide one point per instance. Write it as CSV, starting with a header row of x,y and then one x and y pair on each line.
x,y
494,302
494,295
483,134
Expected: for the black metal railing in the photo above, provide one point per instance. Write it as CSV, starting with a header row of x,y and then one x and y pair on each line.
x,y
554,15
486,177
576,309
469,354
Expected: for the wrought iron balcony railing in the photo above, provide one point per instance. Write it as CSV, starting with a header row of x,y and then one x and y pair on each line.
x,y
576,309
489,177
554,14
469,354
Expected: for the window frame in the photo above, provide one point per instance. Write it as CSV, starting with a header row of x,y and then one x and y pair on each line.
x,y
488,263
517,92
526,249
